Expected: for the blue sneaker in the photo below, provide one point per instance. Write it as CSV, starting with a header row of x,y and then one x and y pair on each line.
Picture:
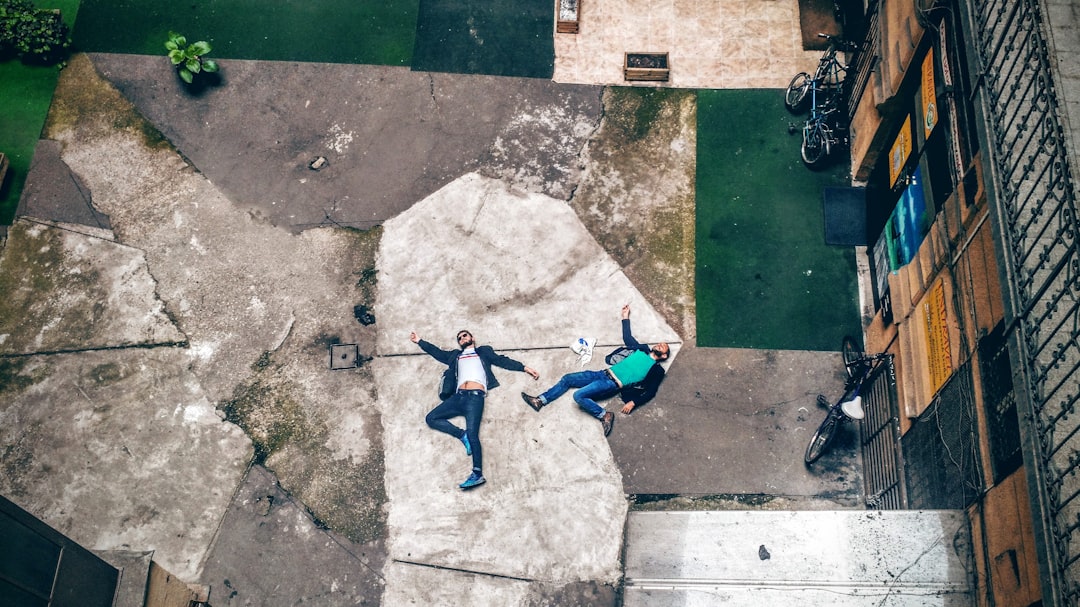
x,y
475,480
465,441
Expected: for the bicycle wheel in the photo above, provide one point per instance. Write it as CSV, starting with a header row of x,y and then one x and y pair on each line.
x,y
815,143
797,90
853,355
824,435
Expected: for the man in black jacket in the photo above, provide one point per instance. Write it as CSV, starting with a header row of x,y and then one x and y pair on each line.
x,y
465,382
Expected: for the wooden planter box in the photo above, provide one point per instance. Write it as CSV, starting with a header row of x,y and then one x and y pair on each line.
x,y
646,66
569,12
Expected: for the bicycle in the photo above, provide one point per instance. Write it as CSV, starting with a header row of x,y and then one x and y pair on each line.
x,y
858,366
830,74
825,130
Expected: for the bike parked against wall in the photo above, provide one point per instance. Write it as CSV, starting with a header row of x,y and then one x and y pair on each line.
x,y
859,366
825,131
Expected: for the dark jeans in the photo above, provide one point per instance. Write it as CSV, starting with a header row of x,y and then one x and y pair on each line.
x,y
593,384
463,403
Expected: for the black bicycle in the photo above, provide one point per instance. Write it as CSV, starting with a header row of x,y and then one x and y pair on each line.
x,y
859,366
829,76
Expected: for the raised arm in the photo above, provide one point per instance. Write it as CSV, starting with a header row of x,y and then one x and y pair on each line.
x,y
627,336
443,356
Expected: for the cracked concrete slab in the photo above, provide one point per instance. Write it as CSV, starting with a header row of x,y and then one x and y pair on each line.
x,y
391,136
518,268
553,508
141,460
67,290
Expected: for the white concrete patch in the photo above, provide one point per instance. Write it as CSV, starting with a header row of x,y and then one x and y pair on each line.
x,y
844,558
525,276
518,269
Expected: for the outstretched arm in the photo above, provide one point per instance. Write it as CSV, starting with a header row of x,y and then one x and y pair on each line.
x,y
498,360
443,356
627,336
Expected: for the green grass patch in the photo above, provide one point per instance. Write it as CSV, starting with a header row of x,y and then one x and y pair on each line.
x,y
327,31
496,37
765,277
27,93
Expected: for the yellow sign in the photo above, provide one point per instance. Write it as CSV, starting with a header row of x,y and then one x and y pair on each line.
x,y
937,337
901,149
929,94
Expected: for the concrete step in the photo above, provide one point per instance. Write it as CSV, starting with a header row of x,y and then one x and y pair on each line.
x,y
761,558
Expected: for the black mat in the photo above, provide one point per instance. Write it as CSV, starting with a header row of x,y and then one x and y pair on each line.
x,y
845,216
493,37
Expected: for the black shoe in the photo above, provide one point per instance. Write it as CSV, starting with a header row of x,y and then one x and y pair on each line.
x,y
609,422
533,402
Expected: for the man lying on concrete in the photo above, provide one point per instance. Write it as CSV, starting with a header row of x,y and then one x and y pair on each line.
x,y
637,376
465,382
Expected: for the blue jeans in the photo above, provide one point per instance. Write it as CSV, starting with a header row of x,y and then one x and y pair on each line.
x,y
463,403
593,384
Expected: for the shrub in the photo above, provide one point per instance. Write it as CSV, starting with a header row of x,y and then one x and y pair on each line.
x,y
33,34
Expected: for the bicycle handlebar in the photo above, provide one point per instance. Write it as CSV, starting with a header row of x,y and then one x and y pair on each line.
x,y
839,42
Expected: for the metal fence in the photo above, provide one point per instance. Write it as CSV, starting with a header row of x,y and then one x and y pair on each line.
x,y
1033,198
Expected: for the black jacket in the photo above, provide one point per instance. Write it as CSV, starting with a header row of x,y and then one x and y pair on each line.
x,y
487,355
643,391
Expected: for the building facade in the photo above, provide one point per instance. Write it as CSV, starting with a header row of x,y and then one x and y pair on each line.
x,y
959,130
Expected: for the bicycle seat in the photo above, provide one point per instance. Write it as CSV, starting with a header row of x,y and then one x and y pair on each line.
x,y
853,408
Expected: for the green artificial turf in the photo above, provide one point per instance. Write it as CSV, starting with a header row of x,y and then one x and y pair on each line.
x,y
495,37
27,91
765,277
378,32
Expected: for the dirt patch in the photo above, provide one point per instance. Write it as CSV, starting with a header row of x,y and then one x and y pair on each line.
x,y
637,197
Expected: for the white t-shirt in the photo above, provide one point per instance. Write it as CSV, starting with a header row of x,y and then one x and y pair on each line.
x,y
469,368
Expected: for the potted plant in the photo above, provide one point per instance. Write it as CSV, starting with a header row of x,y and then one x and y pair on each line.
x,y
189,59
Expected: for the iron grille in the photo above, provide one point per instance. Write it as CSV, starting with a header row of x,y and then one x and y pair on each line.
x,y
880,437
1033,198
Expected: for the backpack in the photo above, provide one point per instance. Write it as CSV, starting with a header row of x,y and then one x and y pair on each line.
x,y
618,354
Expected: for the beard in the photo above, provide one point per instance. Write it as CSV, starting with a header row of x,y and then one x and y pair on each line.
x,y
466,343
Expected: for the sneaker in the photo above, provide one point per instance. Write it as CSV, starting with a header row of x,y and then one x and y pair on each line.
x,y
475,480
468,446
609,422
533,402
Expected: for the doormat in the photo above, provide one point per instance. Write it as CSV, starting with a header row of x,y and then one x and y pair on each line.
x,y
845,216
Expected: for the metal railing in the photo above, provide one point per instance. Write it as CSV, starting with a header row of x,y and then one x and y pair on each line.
x,y
1033,198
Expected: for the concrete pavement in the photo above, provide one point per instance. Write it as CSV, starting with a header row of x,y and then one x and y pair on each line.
x,y
165,431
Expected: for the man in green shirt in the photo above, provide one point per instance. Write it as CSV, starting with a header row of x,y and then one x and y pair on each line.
x,y
642,366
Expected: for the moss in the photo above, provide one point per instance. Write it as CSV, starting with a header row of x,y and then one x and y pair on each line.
x,y
634,111
268,413
82,96
638,196
43,287
365,246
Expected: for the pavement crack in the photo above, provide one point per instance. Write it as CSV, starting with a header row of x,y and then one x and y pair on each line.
x,y
460,570
164,344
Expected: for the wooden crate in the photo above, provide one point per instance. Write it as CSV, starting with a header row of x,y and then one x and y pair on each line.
x,y
569,14
646,66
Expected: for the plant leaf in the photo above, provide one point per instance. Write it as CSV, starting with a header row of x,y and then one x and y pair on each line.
x,y
176,56
193,66
169,44
209,65
201,47
185,75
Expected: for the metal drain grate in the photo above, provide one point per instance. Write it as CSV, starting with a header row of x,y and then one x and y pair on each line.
x,y
883,472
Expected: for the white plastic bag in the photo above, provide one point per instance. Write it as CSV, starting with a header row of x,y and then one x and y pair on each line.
x,y
583,347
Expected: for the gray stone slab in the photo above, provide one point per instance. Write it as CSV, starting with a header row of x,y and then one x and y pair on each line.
x,y
824,557
391,136
77,290
737,422
269,551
